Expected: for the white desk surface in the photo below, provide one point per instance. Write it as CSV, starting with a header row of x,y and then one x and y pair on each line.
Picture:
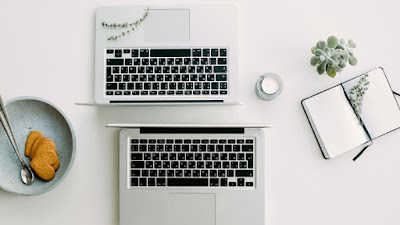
x,y
47,50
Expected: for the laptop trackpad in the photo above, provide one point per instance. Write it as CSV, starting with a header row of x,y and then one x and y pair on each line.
x,y
193,209
167,25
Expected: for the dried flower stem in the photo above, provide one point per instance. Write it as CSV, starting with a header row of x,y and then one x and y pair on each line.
x,y
358,92
125,25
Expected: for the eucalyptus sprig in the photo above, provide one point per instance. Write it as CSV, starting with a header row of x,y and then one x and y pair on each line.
x,y
356,96
132,26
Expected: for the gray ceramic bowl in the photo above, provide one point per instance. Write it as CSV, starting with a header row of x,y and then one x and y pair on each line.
x,y
28,114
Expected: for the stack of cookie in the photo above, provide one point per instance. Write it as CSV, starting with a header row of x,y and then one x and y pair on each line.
x,y
43,154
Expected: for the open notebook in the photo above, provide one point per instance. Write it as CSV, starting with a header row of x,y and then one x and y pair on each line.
x,y
335,122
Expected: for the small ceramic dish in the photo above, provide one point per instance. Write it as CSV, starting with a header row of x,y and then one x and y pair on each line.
x,y
28,114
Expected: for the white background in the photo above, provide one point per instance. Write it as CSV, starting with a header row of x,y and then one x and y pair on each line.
x,y
47,50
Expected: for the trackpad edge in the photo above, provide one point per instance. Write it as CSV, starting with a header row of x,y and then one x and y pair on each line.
x,y
193,209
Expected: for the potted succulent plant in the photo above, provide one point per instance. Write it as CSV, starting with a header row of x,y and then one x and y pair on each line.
x,y
331,56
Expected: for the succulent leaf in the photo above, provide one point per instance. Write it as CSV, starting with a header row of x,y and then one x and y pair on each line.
x,y
342,64
330,61
353,60
321,67
313,49
331,72
333,42
314,60
321,44
318,52
351,44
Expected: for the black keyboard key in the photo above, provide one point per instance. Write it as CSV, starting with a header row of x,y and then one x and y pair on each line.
x,y
244,173
213,61
170,53
186,61
174,69
136,156
170,61
223,182
135,173
222,61
214,92
191,69
179,173
214,182
247,148
178,61
145,173
220,69
230,173
135,93
137,164
204,61
223,85
232,184
185,77
135,181
144,53
161,182
222,52
128,62
214,85
249,184
196,61
153,61
192,182
221,77
240,182
142,181
151,182
115,62
206,52
135,53
208,69
214,52
196,52
118,93
111,86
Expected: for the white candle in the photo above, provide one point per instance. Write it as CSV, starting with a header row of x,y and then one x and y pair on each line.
x,y
270,85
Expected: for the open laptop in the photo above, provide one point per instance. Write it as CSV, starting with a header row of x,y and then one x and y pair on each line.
x,y
177,55
191,174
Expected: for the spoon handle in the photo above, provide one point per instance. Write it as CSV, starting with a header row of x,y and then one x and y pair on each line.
x,y
9,131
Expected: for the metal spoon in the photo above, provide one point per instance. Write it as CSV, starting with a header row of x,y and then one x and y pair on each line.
x,y
27,175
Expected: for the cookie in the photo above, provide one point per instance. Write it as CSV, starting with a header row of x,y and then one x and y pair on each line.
x,y
35,145
31,138
45,160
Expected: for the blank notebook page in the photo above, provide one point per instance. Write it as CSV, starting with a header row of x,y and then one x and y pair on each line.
x,y
335,122
380,112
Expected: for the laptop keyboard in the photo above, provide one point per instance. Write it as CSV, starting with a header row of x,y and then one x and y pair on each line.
x,y
166,72
192,162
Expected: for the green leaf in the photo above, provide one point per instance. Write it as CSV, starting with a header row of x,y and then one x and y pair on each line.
x,y
313,49
351,44
314,60
332,42
342,64
330,62
321,68
321,44
353,60
331,72
318,52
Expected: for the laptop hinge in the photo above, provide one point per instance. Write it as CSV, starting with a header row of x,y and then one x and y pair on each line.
x,y
166,101
192,130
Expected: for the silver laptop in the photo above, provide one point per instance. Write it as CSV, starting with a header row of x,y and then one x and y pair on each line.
x,y
191,174
177,55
